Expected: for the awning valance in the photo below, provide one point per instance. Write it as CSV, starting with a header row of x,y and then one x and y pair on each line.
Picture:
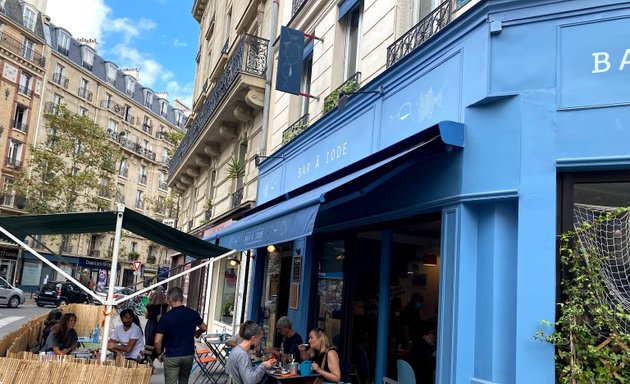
x,y
295,217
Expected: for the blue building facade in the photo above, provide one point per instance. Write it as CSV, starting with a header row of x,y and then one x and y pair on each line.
x,y
479,130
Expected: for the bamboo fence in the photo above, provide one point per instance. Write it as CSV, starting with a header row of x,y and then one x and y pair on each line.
x,y
21,365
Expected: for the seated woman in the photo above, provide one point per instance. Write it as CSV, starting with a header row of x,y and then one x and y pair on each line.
x,y
323,355
63,338
51,320
239,366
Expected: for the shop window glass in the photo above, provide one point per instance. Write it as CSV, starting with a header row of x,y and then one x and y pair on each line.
x,y
226,294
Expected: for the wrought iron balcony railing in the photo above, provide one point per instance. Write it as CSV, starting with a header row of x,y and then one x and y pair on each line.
x,y
25,90
295,129
419,33
85,93
19,125
250,57
237,197
8,199
297,4
60,79
20,49
349,86
14,162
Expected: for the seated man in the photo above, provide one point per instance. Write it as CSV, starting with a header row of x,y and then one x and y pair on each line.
x,y
127,337
290,342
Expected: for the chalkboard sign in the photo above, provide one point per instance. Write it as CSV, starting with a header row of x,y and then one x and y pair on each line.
x,y
297,268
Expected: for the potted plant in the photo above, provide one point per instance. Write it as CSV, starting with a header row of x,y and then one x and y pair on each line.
x,y
235,168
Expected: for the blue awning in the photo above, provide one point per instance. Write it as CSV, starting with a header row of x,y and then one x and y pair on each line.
x,y
295,217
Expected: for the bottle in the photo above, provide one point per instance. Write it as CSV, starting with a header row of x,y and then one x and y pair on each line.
x,y
95,335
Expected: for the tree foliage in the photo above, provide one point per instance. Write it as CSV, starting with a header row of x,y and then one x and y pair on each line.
x,y
591,345
72,171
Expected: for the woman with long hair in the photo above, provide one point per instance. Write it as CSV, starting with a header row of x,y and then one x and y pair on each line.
x,y
323,355
156,307
63,338
51,320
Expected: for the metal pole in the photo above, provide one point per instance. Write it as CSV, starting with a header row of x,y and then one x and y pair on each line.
x,y
262,148
112,279
383,305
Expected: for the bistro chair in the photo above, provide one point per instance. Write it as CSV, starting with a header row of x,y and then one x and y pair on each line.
x,y
405,374
206,364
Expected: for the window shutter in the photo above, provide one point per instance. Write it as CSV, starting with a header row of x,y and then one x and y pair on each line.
x,y
404,16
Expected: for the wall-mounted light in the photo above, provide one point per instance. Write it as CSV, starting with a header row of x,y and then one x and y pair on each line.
x,y
233,261
344,96
271,248
259,158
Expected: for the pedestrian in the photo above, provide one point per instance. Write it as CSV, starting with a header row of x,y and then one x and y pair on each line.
x,y
156,308
127,337
175,337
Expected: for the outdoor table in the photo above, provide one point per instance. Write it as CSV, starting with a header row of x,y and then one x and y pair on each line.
x,y
292,378
216,345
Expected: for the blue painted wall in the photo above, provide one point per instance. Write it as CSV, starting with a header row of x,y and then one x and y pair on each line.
x,y
541,87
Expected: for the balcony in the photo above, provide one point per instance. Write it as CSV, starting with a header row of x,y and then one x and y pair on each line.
x,y
235,94
142,179
297,4
151,259
85,93
237,197
19,125
94,252
8,199
60,79
295,129
146,127
26,91
114,107
419,33
19,49
13,162
348,86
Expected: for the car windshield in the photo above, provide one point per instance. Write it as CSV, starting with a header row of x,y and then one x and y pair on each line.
x,y
123,290
51,286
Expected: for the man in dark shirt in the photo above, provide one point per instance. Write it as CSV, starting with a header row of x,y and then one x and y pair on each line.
x,y
176,333
290,341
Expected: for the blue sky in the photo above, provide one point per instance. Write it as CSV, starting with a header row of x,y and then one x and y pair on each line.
x,y
157,36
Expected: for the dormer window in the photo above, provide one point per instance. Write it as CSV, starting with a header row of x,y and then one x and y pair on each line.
x,y
130,85
29,17
179,116
110,72
87,55
163,107
148,98
63,41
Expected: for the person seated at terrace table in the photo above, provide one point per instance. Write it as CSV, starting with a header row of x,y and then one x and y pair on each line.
x,y
290,341
63,338
51,320
239,366
323,355
236,339
127,337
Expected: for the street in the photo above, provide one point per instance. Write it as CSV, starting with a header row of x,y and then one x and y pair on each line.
x,y
13,318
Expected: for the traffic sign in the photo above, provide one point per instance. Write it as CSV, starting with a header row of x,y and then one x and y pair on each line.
x,y
137,264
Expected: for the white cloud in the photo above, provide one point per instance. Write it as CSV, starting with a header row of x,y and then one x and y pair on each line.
x,y
116,38
179,43
83,18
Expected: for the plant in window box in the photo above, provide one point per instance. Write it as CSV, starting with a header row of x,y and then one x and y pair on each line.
x,y
235,168
331,100
133,255
295,130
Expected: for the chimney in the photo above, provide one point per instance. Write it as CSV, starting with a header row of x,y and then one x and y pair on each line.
x,y
135,72
162,95
92,43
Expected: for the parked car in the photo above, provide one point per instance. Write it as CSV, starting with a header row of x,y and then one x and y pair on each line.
x,y
119,292
9,295
61,293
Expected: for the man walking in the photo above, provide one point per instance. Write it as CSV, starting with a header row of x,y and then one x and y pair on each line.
x,y
176,333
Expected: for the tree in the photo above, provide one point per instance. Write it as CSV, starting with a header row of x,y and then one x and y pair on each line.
x,y
72,171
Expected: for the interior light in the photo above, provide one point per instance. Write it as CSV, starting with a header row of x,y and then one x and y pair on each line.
x,y
234,261
271,248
